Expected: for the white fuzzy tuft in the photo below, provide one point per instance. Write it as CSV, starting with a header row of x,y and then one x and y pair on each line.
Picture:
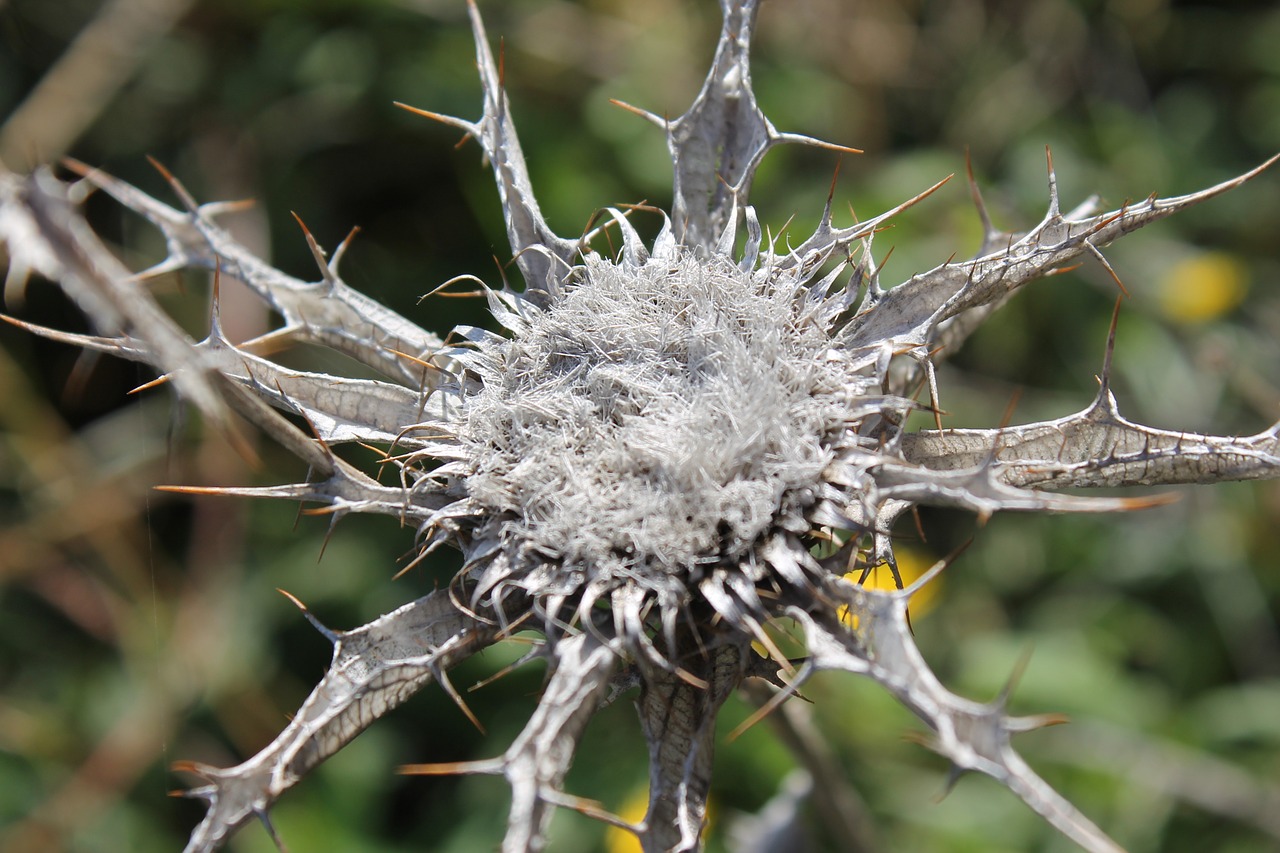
x,y
663,414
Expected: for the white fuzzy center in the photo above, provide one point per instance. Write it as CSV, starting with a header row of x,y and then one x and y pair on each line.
x,y
665,415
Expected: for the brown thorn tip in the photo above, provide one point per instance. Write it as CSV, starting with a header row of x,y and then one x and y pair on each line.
x,y
634,110
692,680
775,653
440,117
192,490
1108,353
1007,417
1150,501
774,703
298,219
843,149
412,358
1042,721
450,768
628,107
835,176
936,569
78,166
402,105
160,167
447,769
154,383
1019,670
294,599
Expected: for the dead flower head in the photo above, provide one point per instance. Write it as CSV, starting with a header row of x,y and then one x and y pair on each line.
x,y
664,453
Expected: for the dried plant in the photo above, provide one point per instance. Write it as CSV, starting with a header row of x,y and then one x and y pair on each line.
x,y
671,455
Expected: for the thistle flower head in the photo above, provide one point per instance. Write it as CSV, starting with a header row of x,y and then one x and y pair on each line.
x,y
662,454
658,419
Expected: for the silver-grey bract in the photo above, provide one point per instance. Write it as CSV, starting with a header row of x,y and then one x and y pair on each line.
x,y
643,467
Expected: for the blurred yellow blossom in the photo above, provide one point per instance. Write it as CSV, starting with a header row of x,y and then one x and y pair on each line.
x,y
618,840
912,564
1202,287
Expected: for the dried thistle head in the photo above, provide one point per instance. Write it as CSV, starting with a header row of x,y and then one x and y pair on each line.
x,y
664,455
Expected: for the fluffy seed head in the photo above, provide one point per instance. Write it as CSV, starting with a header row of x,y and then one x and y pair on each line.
x,y
660,416
670,434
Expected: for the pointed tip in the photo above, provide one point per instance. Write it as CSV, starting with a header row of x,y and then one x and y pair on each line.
x,y
424,113
219,208
301,491
692,680
1054,211
442,679
936,569
325,266
188,201
147,386
195,768
814,142
292,598
317,511
652,118
1007,417
265,820
164,267
1104,381
334,518
1102,259
81,168
594,809
502,63
481,767
160,167
1044,721
989,232
194,490
301,224
831,192
775,702
1148,501
325,631
215,306
184,766
1015,677
342,247
954,772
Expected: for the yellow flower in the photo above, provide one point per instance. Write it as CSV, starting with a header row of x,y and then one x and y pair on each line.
x,y
617,840
911,565
1202,287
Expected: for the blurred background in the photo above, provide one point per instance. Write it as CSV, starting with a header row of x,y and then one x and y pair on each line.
x,y
138,628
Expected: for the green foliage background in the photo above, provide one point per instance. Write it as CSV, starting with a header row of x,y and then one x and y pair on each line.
x,y
137,628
